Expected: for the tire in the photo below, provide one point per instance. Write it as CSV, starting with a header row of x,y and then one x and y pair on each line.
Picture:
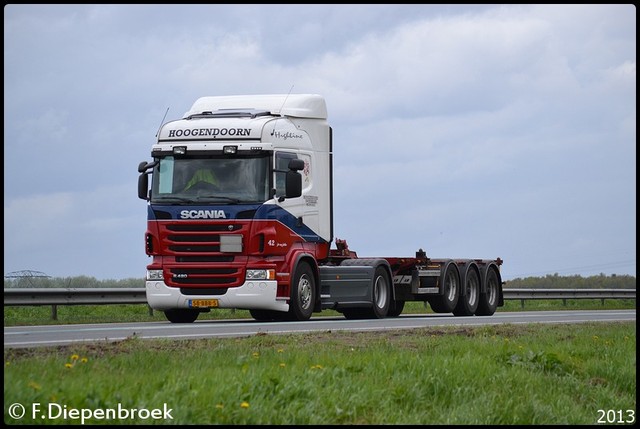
x,y
356,313
303,293
446,302
181,315
381,293
267,315
488,302
395,308
468,304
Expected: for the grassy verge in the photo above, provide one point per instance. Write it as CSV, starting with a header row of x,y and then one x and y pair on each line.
x,y
509,374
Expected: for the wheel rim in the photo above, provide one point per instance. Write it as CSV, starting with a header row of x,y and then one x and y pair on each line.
x,y
304,292
380,290
452,286
492,289
473,289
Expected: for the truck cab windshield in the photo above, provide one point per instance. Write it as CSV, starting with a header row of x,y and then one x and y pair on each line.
x,y
211,179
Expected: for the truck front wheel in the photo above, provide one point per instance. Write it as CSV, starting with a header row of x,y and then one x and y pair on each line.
x,y
181,315
303,293
267,315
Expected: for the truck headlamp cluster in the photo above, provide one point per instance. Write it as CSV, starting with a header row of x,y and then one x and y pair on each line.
x,y
154,275
261,274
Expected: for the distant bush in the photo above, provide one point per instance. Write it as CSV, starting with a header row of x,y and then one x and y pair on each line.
x,y
555,281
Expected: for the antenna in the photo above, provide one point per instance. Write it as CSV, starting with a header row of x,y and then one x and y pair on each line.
x,y
162,122
285,98
283,103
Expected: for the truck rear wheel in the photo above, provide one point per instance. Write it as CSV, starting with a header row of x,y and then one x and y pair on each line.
x,y
181,315
381,293
488,302
468,304
380,296
446,302
395,308
303,293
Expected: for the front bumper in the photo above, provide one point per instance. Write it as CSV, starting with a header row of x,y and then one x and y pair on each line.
x,y
257,295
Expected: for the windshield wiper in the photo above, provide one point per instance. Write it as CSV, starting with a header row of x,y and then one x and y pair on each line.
x,y
217,197
172,200
195,199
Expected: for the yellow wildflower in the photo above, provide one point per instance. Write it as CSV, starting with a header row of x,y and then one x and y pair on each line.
x,y
244,404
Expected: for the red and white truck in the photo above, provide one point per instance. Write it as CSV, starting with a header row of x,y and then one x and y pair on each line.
x,y
240,215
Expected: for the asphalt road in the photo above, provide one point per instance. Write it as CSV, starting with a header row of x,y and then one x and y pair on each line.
x,y
52,335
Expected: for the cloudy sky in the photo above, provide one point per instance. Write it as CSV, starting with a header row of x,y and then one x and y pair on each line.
x,y
470,131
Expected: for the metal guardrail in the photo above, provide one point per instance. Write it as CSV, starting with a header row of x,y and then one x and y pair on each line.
x,y
569,293
564,294
74,296
92,296
100,296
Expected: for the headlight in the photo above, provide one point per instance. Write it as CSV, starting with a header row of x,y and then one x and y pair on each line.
x,y
154,275
261,274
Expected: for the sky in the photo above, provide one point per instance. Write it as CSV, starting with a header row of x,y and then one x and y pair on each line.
x,y
468,131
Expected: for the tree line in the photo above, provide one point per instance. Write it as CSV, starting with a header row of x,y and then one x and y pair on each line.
x,y
550,281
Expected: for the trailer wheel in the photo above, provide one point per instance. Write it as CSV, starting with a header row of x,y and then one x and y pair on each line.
x,y
446,302
488,302
468,304
303,293
181,315
395,308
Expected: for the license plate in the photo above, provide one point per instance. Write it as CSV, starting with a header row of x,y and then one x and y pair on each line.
x,y
203,303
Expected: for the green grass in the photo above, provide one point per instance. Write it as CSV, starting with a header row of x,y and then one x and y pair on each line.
x,y
66,314
504,374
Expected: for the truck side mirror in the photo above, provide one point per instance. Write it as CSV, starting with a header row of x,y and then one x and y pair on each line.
x,y
293,184
143,186
293,180
143,180
296,164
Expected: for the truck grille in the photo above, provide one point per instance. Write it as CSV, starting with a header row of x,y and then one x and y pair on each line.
x,y
196,251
